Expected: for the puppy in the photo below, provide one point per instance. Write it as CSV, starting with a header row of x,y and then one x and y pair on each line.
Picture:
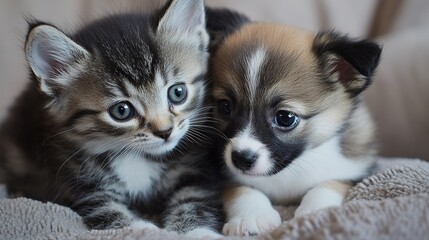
x,y
289,102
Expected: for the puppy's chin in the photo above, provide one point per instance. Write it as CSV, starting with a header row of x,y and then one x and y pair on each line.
x,y
252,173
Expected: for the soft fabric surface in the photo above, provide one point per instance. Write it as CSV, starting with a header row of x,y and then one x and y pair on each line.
x,y
393,204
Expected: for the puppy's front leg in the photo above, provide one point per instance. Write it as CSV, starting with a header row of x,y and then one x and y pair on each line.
x,y
328,194
248,212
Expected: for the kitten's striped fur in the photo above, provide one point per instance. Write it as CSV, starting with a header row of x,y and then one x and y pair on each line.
x,y
61,143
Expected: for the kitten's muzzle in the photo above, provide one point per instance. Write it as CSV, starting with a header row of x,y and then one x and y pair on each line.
x,y
164,134
244,160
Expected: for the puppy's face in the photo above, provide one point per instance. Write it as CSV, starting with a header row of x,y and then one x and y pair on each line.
x,y
280,91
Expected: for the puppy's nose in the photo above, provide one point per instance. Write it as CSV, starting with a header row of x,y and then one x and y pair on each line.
x,y
164,134
244,160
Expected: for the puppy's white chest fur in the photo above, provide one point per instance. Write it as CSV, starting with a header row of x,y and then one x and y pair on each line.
x,y
313,167
137,174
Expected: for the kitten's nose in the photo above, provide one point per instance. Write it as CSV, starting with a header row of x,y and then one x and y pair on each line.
x,y
244,159
164,134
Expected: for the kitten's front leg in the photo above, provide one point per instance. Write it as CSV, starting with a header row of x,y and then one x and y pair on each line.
x,y
249,212
328,194
101,210
195,211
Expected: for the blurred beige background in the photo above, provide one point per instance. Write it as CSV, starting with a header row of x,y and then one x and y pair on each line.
x,y
398,99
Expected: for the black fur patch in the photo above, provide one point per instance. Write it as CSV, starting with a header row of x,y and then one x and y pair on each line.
x,y
362,55
282,153
221,23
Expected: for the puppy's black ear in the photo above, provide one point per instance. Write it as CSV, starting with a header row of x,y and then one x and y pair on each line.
x,y
351,62
222,22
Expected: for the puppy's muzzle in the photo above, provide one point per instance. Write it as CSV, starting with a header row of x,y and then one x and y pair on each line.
x,y
244,160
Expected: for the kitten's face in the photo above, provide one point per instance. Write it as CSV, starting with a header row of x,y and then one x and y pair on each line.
x,y
153,111
124,85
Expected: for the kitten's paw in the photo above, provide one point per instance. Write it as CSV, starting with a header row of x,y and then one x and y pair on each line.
x,y
140,224
252,224
203,233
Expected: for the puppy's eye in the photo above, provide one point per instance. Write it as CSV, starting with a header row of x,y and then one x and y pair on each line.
x,y
286,120
122,111
224,107
178,93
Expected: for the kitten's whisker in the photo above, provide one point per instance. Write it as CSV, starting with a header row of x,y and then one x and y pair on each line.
x,y
68,159
120,153
210,129
58,134
199,136
90,156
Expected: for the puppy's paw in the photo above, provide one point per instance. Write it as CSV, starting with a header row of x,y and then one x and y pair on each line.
x,y
322,197
141,224
304,210
252,224
203,233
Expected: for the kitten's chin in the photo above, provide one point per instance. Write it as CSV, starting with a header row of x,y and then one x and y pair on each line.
x,y
163,148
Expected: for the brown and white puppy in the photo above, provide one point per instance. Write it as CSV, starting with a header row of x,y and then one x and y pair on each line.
x,y
288,100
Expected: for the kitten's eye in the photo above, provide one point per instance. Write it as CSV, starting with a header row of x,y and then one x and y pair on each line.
x,y
286,120
177,93
122,111
224,107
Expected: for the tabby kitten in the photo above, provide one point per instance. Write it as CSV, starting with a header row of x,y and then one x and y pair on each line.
x,y
110,122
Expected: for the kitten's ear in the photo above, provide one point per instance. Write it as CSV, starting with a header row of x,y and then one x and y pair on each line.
x,y
53,57
348,61
185,19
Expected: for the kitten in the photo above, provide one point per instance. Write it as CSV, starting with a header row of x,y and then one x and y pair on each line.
x,y
289,102
112,120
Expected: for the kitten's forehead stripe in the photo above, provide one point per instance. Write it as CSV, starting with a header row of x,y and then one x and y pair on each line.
x,y
165,76
121,87
128,53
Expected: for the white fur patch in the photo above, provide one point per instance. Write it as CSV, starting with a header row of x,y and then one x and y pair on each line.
x,y
251,213
137,173
254,65
318,198
312,168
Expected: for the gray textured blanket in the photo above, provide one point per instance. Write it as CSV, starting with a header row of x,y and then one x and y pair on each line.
x,y
393,204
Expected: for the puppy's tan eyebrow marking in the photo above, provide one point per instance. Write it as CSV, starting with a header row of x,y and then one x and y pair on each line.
x,y
275,101
308,116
